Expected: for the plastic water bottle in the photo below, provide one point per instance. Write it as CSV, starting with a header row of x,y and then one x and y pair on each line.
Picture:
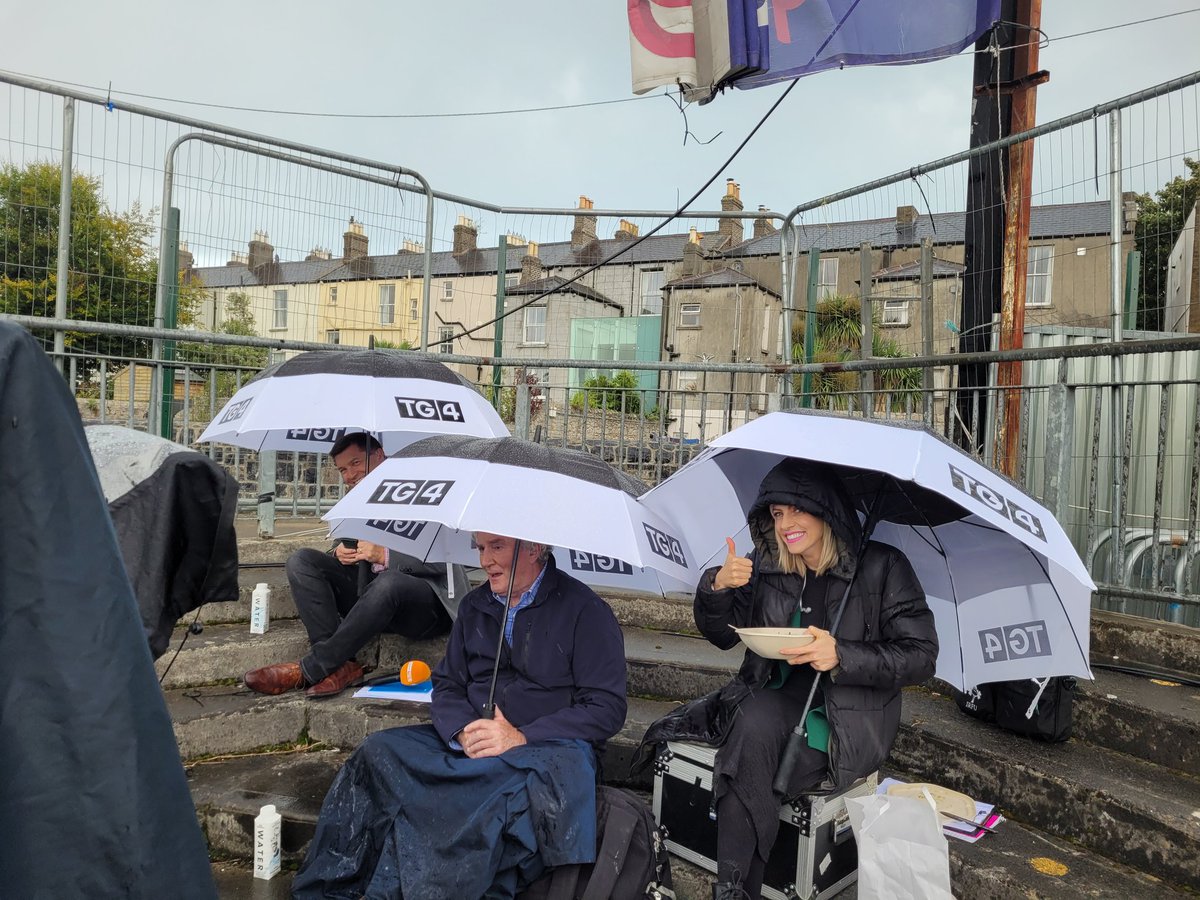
x,y
267,851
260,609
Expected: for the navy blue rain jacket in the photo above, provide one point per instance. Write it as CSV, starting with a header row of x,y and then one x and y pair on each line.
x,y
563,678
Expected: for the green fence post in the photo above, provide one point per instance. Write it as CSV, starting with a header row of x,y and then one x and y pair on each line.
x,y
170,282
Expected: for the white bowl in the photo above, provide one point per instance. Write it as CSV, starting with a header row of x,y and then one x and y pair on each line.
x,y
767,642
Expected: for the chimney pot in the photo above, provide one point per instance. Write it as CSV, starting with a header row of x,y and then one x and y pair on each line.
x,y
355,242
584,232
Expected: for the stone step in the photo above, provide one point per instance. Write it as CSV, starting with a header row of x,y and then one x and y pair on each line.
x,y
1148,718
1137,813
1015,862
1134,641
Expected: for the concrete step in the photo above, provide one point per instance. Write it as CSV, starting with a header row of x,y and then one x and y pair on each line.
x,y
1151,719
1137,813
1133,812
1132,640
1016,862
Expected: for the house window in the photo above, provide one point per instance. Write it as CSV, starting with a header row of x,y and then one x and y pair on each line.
x,y
765,343
445,339
333,336
280,320
827,278
447,290
535,325
511,281
333,295
1037,277
414,311
895,312
387,304
650,285
689,315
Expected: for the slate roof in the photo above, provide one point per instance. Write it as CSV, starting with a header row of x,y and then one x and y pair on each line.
x,y
554,283
942,268
1045,222
723,277
1065,220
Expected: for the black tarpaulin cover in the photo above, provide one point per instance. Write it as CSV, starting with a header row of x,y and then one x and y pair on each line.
x,y
173,510
93,798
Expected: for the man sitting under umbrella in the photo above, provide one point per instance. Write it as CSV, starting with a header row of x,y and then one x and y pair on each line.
x,y
342,612
474,805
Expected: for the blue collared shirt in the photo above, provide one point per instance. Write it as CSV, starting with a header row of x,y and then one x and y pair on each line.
x,y
526,598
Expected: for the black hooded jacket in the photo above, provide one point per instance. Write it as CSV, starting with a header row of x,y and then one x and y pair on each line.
x,y
885,640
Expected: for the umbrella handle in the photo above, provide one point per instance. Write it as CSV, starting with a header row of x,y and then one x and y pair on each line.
x,y
791,755
489,708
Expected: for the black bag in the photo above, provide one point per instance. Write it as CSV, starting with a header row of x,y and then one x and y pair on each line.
x,y
1034,707
631,857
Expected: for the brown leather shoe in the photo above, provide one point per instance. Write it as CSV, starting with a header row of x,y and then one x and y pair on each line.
x,y
275,679
338,680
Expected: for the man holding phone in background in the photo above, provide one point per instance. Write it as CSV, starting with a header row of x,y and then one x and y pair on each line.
x,y
341,612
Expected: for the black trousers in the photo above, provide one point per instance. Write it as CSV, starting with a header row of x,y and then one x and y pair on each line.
x,y
340,621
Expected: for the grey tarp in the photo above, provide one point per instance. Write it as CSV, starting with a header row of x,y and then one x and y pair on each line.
x,y
93,798
173,510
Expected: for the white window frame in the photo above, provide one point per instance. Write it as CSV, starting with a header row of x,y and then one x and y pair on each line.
x,y
511,281
534,332
333,295
894,316
333,336
689,315
280,309
765,343
447,290
1039,276
827,277
446,339
643,293
414,310
387,304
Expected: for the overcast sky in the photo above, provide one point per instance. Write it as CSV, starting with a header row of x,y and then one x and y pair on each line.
x,y
836,129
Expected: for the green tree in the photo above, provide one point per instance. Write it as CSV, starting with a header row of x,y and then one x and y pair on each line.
x,y
838,338
224,358
112,267
1160,220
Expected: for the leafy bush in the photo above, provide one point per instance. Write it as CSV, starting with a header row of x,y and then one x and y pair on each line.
x,y
619,393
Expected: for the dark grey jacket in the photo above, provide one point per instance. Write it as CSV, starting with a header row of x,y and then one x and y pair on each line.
x,y
886,638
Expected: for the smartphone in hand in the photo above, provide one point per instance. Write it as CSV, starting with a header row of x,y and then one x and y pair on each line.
x,y
349,543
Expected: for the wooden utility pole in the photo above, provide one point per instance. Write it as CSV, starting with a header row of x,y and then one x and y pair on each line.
x,y
1023,90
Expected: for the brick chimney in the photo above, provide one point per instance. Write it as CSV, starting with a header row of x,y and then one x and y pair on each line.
x,y
762,225
906,223
186,260
531,267
731,229
261,252
584,231
465,236
354,242
626,231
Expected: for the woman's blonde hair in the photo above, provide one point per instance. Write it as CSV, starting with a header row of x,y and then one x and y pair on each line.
x,y
830,552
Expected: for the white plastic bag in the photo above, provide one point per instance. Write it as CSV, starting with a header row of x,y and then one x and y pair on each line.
x,y
902,853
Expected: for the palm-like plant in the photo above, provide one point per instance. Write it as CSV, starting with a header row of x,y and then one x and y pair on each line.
x,y
838,338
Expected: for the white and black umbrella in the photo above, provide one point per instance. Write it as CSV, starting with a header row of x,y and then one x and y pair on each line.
x,y
308,402
427,500
1010,596
515,488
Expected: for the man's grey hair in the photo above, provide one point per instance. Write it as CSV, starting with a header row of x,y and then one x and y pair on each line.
x,y
544,551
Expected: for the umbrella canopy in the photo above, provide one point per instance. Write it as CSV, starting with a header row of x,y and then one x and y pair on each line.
x,y
308,402
548,495
1009,593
